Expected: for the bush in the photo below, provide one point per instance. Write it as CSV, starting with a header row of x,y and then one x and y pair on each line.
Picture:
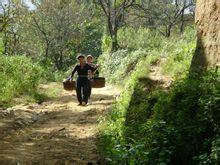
x,y
116,67
142,38
149,125
111,132
179,55
18,75
158,127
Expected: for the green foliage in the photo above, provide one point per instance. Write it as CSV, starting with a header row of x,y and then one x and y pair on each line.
x,y
18,75
51,74
113,125
148,125
141,38
56,31
158,127
189,114
163,16
118,65
179,54
1,45
106,44
175,58
90,41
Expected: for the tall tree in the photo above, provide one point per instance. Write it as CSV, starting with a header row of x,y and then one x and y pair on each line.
x,y
58,29
207,53
8,26
114,12
54,23
163,15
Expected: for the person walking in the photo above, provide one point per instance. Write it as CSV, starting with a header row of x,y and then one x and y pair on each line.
x,y
82,81
92,75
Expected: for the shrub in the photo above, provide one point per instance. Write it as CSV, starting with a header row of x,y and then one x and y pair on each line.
x,y
111,132
158,127
179,55
18,75
149,125
116,67
142,38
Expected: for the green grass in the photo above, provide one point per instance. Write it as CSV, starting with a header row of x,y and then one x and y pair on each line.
x,y
149,125
179,53
116,67
113,125
160,127
176,51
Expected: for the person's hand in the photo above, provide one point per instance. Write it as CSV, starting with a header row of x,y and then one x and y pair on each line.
x,y
69,78
97,65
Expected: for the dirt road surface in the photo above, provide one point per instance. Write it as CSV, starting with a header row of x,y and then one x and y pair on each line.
x,y
57,131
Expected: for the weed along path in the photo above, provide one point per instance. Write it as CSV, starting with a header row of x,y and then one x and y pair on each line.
x,y
54,132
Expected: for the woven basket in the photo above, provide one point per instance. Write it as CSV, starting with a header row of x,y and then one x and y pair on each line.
x,y
98,82
69,85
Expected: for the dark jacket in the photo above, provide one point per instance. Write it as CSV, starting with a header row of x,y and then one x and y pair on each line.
x,y
82,72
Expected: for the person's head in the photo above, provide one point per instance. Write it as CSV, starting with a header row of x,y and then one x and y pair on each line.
x,y
81,58
89,59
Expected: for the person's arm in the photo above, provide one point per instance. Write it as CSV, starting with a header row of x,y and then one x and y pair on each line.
x,y
92,68
96,72
74,71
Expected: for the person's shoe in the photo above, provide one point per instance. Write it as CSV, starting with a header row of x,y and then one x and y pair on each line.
x,y
83,103
89,102
80,104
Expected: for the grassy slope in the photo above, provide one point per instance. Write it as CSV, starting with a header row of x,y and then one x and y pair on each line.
x,y
160,127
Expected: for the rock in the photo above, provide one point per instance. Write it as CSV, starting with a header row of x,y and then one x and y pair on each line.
x,y
101,99
12,113
35,117
19,123
31,107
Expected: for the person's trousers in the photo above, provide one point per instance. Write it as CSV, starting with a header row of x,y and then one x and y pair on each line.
x,y
89,89
82,86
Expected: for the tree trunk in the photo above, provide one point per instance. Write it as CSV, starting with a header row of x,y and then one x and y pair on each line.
x,y
168,30
113,30
61,60
207,53
47,49
5,43
56,61
114,41
182,22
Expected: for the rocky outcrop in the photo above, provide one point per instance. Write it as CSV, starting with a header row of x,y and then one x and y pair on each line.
x,y
208,33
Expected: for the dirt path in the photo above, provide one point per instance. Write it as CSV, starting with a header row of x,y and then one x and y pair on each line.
x,y
156,75
55,132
